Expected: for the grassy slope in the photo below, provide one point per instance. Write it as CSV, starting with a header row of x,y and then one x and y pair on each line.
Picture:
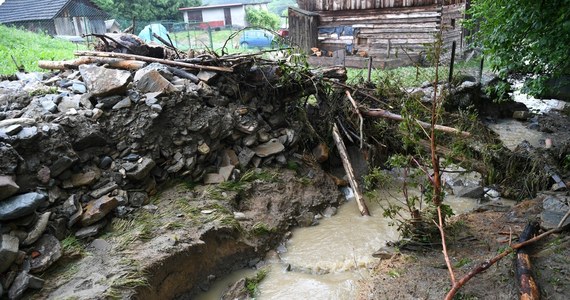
x,y
28,47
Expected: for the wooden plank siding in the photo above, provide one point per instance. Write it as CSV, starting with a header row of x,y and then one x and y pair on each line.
x,y
383,29
303,28
334,5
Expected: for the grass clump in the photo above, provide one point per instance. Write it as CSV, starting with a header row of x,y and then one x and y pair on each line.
x,y
28,48
251,283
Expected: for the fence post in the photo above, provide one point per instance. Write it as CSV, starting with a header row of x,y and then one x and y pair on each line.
x,y
369,68
453,45
210,36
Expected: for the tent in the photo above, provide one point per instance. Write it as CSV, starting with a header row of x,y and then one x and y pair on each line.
x,y
148,30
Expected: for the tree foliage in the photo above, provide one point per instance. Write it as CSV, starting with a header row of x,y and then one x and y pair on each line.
x,y
524,36
146,10
262,18
279,7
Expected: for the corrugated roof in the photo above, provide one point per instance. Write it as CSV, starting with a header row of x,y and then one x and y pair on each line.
x,y
27,10
210,6
224,2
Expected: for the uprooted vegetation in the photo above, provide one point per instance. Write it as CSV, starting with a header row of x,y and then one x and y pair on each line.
x,y
113,139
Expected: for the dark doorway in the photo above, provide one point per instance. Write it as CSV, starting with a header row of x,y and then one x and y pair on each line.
x,y
228,16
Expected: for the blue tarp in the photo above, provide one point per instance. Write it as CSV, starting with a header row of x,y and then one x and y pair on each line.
x,y
146,33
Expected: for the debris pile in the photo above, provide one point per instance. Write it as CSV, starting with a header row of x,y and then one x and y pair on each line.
x,y
92,142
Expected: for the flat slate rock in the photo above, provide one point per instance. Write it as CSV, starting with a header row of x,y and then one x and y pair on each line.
x,y
50,251
20,205
269,148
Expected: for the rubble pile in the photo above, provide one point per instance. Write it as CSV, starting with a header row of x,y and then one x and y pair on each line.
x,y
90,143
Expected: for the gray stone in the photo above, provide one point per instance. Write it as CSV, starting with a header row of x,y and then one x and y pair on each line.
x,y
470,191
138,199
68,103
176,167
97,113
27,133
44,175
156,107
108,102
8,187
13,129
245,156
100,245
22,282
101,81
206,76
9,159
329,211
143,169
90,137
237,291
79,88
239,216
213,178
50,251
203,149
126,102
226,172
70,206
38,229
20,205
60,165
152,81
156,67
8,251
90,231
385,252
521,115
105,162
269,148
107,188
554,208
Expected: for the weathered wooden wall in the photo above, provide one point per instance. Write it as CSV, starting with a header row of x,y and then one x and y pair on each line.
x,y
303,28
334,5
390,32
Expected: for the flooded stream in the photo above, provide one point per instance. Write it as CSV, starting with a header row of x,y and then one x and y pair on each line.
x,y
326,261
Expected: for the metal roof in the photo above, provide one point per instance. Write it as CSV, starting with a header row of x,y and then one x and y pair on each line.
x,y
28,10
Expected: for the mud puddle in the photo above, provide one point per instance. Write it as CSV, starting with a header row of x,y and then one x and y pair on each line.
x,y
326,261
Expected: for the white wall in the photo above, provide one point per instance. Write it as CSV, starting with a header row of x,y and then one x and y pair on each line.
x,y
212,14
238,16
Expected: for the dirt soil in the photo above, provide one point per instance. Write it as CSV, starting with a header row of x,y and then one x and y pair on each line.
x,y
189,235
472,239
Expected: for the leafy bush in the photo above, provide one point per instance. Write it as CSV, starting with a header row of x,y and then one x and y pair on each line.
x,y
262,18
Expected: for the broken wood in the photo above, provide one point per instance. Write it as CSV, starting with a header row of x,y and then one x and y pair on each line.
x,y
528,286
75,63
381,113
349,171
359,116
488,263
152,59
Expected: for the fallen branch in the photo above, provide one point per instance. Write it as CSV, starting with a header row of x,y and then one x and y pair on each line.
x,y
349,171
359,116
487,264
152,59
381,113
75,63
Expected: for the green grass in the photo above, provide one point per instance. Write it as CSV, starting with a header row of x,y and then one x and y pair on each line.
x,y
28,48
412,76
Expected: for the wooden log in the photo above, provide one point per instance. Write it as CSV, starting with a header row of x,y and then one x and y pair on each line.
x,y
381,113
152,59
75,63
349,171
528,287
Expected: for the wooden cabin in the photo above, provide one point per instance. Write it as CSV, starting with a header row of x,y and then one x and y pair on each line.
x,y
392,32
54,17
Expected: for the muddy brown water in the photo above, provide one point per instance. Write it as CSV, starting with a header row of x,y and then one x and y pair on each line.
x,y
326,261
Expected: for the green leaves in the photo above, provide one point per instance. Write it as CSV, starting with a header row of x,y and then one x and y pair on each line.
x,y
262,18
524,36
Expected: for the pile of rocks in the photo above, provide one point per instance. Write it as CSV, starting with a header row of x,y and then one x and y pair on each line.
x,y
82,146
